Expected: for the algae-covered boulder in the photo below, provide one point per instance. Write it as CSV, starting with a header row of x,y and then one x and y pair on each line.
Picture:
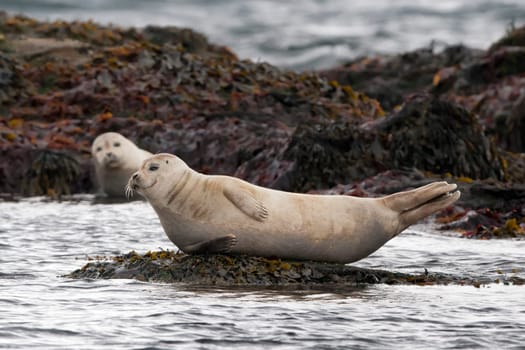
x,y
515,36
167,89
390,78
11,82
222,270
441,137
427,133
488,83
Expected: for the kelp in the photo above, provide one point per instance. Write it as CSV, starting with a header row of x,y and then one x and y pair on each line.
x,y
52,173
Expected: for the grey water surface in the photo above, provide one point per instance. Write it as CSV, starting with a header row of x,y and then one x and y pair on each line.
x,y
302,34
41,240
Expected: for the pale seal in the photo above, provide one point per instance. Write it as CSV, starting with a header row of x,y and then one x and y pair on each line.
x,y
221,214
115,158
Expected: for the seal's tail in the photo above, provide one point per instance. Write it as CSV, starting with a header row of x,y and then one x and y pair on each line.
x,y
416,204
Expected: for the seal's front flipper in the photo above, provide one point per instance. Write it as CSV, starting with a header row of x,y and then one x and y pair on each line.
x,y
243,199
214,246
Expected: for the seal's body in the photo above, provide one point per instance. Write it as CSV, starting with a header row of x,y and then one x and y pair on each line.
x,y
116,158
221,214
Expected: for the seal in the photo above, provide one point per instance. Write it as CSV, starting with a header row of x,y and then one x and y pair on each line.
x,y
222,214
116,158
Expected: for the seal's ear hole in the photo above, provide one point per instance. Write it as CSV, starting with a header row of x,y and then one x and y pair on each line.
x,y
166,162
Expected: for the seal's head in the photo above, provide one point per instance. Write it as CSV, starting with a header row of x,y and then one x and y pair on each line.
x,y
157,176
109,149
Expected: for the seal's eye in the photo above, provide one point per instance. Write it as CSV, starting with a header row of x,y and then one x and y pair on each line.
x,y
99,149
116,144
153,167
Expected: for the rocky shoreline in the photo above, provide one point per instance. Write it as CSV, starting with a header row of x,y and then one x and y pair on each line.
x,y
370,127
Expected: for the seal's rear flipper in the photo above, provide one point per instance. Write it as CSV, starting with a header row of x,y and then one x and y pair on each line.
x,y
214,246
416,204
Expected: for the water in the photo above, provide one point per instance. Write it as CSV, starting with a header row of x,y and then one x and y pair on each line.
x,y
302,34
41,240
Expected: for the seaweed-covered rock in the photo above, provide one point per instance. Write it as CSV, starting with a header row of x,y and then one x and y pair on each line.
x,y
323,155
438,136
513,37
427,133
189,39
504,62
167,89
501,109
11,82
52,173
390,78
488,83
168,267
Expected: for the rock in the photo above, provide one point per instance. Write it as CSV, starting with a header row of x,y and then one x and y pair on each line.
x,y
222,115
222,270
52,173
323,155
513,37
488,83
434,135
390,78
12,85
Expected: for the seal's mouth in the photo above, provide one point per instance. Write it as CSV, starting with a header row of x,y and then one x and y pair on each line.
x,y
111,163
133,187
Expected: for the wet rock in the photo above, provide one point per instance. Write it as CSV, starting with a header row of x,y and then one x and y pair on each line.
x,y
222,270
500,107
390,78
52,173
488,83
501,63
323,155
190,40
12,84
487,209
415,132
513,37
222,115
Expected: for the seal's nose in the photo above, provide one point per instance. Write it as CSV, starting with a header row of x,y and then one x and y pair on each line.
x,y
109,154
134,176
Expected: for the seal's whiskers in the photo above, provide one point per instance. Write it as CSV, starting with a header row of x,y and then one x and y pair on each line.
x,y
129,191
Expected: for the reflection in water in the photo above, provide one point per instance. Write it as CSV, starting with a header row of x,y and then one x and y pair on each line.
x,y
42,240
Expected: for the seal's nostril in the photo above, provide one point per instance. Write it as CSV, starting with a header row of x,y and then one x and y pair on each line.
x,y
134,177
